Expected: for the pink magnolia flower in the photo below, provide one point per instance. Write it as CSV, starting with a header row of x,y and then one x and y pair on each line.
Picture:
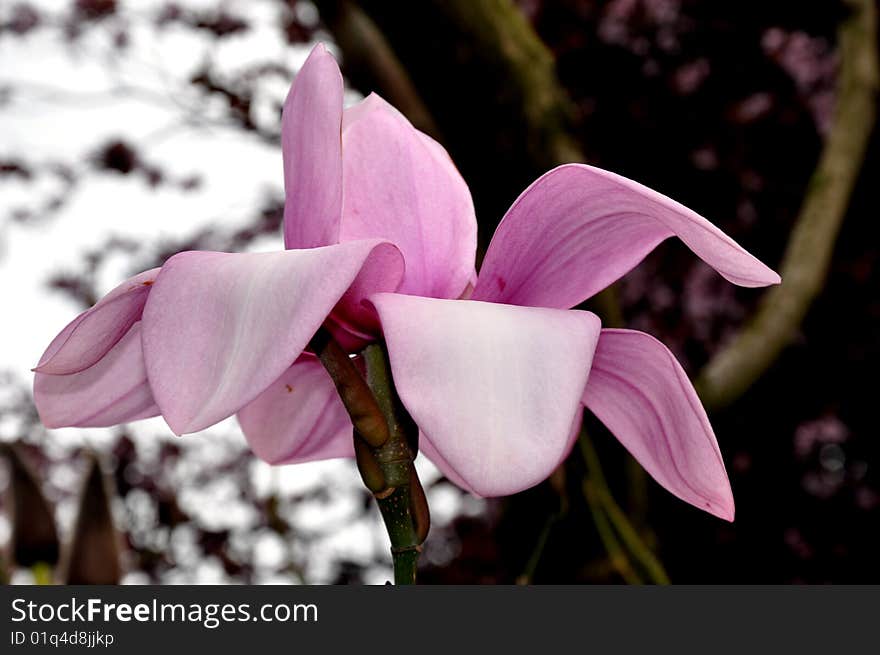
x,y
380,239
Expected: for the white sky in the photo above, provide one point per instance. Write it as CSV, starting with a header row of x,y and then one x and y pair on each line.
x,y
44,122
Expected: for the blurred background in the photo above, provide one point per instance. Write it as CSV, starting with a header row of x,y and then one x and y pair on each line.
x,y
130,130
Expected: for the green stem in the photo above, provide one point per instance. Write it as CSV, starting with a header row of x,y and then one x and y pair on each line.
x,y
402,504
386,440
366,416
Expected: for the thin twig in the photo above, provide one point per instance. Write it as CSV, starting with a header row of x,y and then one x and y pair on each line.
x,y
602,503
558,483
531,566
633,540
616,553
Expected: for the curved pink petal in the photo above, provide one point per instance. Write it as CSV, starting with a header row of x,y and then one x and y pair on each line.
x,y
310,142
112,391
219,328
495,388
93,333
427,448
352,315
402,186
578,228
639,391
351,338
298,418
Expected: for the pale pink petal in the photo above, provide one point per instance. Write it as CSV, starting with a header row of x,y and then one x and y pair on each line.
x,y
219,328
428,449
310,142
298,418
573,434
640,392
495,388
578,228
93,333
112,391
402,186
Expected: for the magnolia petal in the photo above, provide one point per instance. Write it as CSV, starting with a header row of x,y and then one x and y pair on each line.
x,y
112,391
640,392
298,418
219,328
577,229
310,143
93,333
495,387
402,186
353,316
428,449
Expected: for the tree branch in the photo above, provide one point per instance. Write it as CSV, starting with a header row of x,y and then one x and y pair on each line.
x,y
371,64
808,255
